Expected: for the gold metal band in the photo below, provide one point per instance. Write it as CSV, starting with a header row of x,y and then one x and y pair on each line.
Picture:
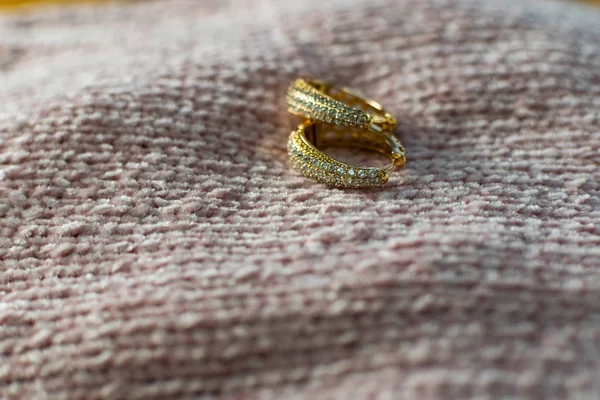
x,y
305,141
319,101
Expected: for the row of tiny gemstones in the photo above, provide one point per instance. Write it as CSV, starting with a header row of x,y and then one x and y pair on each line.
x,y
331,173
309,102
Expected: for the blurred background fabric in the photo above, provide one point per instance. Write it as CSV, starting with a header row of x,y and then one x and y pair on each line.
x,y
155,243
28,4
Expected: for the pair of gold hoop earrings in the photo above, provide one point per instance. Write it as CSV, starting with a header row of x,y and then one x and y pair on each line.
x,y
336,116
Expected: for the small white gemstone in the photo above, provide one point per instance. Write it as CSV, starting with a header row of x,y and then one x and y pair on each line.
x,y
373,173
351,172
332,168
341,170
362,173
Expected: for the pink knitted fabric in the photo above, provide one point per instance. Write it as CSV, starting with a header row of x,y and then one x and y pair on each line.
x,y
155,243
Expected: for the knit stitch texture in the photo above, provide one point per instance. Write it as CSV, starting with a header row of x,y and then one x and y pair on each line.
x,y
156,244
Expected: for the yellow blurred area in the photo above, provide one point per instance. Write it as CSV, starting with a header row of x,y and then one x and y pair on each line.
x,y
27,4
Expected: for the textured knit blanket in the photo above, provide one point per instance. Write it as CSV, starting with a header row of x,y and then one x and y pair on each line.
x,y
156,244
